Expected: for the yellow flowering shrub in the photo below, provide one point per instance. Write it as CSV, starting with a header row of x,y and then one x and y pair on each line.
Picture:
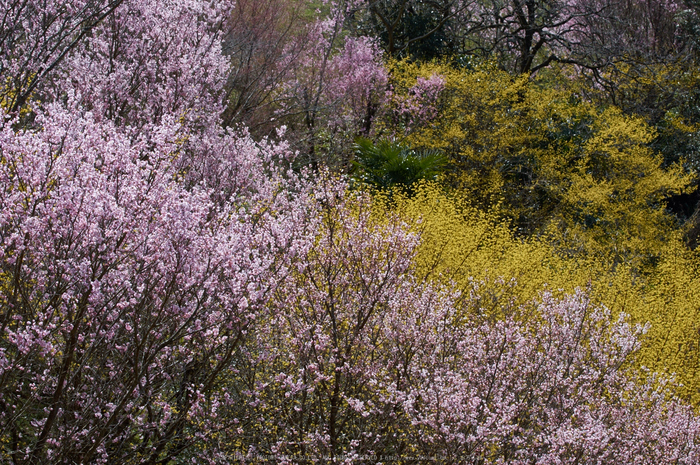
x,y
477,252
9,92
557,166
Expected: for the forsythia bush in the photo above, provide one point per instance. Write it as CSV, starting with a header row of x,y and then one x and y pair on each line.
x,y
551,162
466,246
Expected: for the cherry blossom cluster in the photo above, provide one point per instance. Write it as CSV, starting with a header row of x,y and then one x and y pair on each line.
x,y
125,290
420,106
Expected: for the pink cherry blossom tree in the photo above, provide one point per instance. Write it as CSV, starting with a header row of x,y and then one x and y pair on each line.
x,y
125,292
359,360
151,59
35,39
138,241
419,107
333,90
552,386
313,374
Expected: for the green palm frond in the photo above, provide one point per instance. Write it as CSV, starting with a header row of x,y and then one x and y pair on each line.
x,y
389,164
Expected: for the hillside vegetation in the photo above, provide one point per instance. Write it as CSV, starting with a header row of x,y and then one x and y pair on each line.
x,y
368,231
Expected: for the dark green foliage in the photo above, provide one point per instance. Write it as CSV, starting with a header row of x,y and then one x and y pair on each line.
x,y
389,164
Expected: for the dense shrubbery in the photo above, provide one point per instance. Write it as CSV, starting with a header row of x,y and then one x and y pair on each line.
x,y
552,163
460,244
187,276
